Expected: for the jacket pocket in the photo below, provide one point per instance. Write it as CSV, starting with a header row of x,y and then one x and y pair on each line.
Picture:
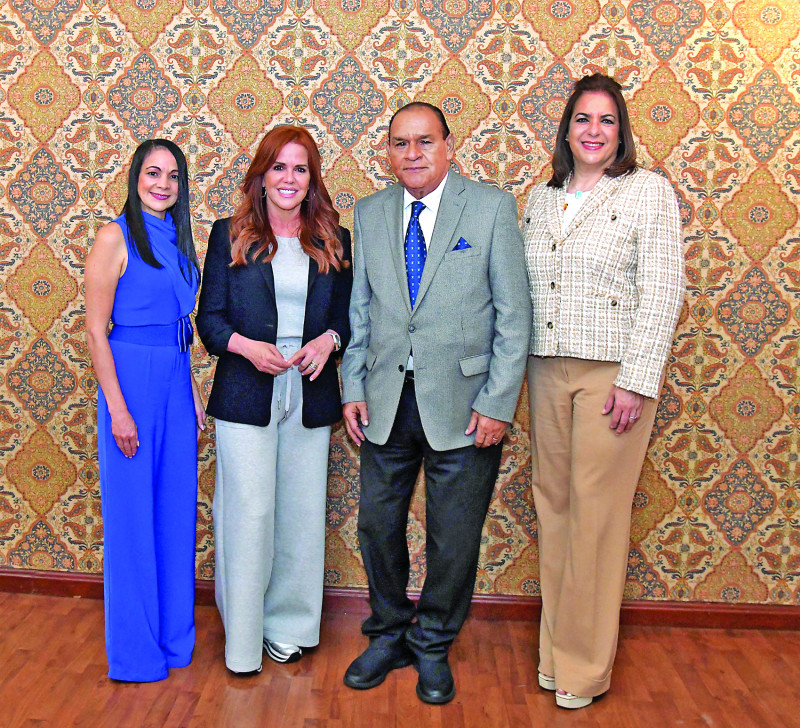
x,y
371,359
470,252
472,365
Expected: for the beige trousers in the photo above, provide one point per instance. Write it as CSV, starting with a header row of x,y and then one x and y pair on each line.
x,y
584,478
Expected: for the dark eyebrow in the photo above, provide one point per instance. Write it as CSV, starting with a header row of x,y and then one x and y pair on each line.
x,y
421,137
604,116
156,168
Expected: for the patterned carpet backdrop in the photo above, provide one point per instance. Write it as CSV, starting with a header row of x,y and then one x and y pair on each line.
x,y
715,101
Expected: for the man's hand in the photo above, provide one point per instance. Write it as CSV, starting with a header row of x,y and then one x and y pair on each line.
x,y
488,431
356,415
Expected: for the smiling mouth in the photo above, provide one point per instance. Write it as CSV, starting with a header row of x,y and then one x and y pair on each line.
x,y
159,197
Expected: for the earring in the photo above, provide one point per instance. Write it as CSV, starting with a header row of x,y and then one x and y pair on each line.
x,y
263,193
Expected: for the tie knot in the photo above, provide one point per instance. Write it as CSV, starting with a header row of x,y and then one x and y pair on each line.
x,y
416,208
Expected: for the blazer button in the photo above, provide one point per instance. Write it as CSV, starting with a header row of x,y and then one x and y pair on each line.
x,y
412,329
552,285
613,301
527,220
614,216
401,368
554,246
549,324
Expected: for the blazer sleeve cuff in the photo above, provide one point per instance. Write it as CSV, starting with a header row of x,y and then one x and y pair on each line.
x,y
649,387
216,342
490,407
353,392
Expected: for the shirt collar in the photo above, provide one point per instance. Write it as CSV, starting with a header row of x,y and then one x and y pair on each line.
x,y
431,200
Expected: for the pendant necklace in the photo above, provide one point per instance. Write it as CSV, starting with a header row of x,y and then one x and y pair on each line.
x,y
577,194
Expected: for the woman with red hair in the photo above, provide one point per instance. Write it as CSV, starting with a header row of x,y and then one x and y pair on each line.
x,y
274,309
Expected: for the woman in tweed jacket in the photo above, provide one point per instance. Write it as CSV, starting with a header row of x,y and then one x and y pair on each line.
x,y
605,265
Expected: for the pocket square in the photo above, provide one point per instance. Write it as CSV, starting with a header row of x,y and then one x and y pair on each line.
x,y
461,244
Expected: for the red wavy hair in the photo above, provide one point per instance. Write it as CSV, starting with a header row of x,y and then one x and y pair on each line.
x,y
251,233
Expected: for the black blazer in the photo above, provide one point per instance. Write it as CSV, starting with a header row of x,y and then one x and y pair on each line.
x,y
242,300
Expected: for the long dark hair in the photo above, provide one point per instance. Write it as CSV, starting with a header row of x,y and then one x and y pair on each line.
x,y
251,233
179,211
625,161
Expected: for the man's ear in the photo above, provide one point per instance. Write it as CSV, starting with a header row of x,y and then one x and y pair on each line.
x,y
450,143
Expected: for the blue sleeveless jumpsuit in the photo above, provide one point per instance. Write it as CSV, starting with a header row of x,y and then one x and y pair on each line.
x,y
149,501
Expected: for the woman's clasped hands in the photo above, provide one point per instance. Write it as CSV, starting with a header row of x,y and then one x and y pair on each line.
x,y
310,359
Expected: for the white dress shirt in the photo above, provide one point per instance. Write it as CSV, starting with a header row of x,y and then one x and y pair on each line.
x,y
427,218
427,221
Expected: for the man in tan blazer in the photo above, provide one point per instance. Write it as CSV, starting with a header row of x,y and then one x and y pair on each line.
x,y
440,318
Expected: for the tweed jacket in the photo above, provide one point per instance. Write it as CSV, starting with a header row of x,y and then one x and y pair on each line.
x,y
610,287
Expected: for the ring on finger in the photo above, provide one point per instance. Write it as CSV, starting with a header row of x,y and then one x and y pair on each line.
x,y
312,366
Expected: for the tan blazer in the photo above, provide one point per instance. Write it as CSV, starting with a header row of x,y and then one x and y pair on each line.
x,y
609,287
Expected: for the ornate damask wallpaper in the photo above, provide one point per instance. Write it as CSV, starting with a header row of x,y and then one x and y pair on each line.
x,y
714,95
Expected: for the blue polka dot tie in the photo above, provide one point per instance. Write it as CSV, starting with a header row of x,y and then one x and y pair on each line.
x,y
416,251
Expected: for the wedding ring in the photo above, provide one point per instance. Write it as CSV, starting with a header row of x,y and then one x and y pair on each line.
x,y
313,365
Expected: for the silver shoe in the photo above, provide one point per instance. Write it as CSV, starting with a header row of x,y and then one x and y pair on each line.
x,y
282,651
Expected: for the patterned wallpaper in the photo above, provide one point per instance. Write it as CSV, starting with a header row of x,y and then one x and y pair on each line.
x,y
714,96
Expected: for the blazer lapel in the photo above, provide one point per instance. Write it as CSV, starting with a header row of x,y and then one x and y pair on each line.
x,y
605,187
555,211
265,269
450,208
313,274
393,214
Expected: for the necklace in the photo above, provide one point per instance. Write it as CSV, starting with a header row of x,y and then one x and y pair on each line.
x,y
578,194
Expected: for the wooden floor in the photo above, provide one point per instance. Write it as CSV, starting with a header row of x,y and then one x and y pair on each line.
x,y
53,673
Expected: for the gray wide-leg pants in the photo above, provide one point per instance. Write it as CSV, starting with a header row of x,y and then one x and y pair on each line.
x,y
269,527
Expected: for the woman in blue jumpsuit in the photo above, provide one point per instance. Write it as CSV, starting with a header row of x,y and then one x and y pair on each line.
x,y
142,275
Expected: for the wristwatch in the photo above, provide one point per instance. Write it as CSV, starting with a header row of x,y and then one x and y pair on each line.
x,y
337,341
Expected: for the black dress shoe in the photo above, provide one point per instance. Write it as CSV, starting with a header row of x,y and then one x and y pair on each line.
x,y
435,684
372,666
